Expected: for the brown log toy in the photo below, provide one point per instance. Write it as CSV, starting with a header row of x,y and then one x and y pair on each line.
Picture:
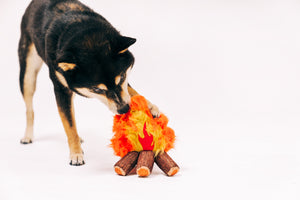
x,y
127,163
166,164
145,163
142,164
133,171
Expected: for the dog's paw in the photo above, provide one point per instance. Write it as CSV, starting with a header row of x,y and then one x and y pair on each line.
x,y
76,159
154,110
26,140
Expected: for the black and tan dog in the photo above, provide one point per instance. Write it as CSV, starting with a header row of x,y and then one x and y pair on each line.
x,y
85,55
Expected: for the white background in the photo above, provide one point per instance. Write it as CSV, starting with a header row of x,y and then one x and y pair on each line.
x,y
226,73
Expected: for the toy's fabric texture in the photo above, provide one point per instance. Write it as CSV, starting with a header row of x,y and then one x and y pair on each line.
x,y
137,130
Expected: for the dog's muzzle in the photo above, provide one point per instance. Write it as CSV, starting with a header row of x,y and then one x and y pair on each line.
x,y
124,109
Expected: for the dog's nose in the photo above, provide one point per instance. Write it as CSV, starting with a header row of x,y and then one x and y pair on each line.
x,y
124,109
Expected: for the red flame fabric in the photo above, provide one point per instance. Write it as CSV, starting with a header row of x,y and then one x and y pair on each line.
x,y
147,141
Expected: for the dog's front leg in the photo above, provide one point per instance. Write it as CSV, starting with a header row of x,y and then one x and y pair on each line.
x,y
153,108
64,100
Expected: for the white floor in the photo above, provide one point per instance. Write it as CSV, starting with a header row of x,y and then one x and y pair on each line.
x,y
226,73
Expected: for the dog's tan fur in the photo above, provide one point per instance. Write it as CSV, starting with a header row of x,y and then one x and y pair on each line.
x,y
66,66
61,79
76,154
35,62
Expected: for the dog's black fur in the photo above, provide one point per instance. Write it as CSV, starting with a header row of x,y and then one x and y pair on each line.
x,y
85,55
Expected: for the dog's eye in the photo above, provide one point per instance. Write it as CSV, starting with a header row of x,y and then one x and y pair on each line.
x,y
98,90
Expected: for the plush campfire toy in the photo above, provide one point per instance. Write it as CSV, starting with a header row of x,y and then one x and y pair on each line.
x,y
142,140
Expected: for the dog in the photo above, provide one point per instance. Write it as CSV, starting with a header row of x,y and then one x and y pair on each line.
x,y
85,54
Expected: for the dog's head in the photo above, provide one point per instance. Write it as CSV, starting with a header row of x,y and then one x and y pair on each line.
x,y
96,66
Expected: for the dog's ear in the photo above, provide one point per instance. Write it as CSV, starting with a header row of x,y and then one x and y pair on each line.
x,y
65,61
124,43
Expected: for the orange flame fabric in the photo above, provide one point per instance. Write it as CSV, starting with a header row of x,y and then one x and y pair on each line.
x,y
137,130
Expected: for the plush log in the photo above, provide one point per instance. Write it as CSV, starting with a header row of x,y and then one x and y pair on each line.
x,y
141,163
127,163
145,163
133,171
166,164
